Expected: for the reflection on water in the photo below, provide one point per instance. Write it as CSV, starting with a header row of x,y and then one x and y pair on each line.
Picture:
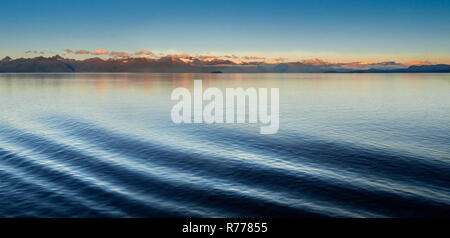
x,y
103,145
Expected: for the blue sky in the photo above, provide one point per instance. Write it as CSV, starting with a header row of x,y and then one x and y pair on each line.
x,y
331,30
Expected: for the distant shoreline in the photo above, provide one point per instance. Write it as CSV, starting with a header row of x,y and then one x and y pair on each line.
x,y
224,73
58,64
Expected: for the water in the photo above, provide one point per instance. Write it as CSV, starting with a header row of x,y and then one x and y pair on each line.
x,y
103,145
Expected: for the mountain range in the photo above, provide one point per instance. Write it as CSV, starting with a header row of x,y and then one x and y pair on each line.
x,y
173,64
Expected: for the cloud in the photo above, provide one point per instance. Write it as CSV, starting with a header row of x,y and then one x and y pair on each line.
x,y
280,59
183,55
208,58
100,52
34,52
144,52
68,51
419,63
119,54
314,61
247,58
82,52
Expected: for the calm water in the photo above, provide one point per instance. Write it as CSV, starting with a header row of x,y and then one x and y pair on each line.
x,y
103,145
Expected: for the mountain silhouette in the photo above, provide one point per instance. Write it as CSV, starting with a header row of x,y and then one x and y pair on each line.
x,y
173,64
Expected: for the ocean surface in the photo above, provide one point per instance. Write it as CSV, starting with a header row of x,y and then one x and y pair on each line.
x,y
104,145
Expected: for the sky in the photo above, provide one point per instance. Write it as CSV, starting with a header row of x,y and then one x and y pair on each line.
x,y
339,31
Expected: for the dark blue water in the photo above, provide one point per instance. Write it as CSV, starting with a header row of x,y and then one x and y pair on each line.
x,y
103,145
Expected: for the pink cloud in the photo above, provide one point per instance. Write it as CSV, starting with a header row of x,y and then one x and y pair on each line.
x,y
68,51
419,63
100,52
144,52
82,52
